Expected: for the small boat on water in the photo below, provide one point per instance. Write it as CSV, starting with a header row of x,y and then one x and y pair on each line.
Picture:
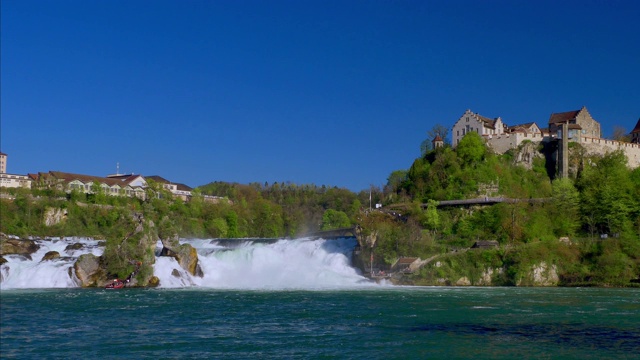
x,y
116,284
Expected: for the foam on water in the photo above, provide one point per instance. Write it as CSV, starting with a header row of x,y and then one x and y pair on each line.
x,y
225,263
20,272
281,264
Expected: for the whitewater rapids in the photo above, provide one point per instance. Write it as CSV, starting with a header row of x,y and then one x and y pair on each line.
x,y
226,264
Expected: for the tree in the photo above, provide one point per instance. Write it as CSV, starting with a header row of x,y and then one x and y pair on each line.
x,y
606,193
436,130
334,219
620,134
566,206
431,218
471,149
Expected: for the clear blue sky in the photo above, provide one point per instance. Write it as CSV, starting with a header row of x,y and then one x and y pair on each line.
x,y
339,93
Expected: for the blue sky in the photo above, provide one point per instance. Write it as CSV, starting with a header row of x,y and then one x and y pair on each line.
x,y
336,93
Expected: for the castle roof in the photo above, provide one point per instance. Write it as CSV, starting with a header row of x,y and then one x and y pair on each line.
x,y
522,127
490,123
558,118
438,138
637,128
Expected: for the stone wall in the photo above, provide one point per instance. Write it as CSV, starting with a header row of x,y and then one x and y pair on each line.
x,y
588,124
504,142
603,146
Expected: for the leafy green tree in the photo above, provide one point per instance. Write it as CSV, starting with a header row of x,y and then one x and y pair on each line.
x,y
471,149
565,211
217,228
431,217
232,224
334,219
606,189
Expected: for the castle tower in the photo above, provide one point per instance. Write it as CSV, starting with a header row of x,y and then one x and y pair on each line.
x,y
437,142
3,163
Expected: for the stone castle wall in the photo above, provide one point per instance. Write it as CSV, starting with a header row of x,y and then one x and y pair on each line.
x,y
603,146
503,142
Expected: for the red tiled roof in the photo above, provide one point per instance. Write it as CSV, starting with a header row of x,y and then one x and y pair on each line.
x,y
562,117
438,138
406,261
68,177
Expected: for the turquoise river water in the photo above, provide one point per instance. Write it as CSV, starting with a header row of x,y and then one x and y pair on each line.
x,y
360,323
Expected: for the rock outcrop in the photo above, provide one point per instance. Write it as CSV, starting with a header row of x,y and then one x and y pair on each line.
x,y
185,254
17,246
75,246
542,275
88,270
54,216
91,270
526,153
50,255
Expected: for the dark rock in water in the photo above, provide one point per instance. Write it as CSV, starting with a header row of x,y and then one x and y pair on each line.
x,y
102,243
176,273
154,281
17,246
2,260
75,246
50,255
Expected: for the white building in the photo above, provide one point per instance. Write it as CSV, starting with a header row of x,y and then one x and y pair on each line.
x,y
11,180
470,121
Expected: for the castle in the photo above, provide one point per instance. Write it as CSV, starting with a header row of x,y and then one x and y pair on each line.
x,y
580,127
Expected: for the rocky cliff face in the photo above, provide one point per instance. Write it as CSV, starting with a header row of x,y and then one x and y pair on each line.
x,y
89,271
54,216
526,153
185,254
541,274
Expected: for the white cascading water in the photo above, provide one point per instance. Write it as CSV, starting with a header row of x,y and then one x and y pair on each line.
x,y
20,272
226,264
282,264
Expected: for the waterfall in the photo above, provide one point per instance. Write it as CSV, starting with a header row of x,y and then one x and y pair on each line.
x,y
24,272
266,264
226,264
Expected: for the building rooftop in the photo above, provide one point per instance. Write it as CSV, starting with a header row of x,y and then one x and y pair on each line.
x,y
637,128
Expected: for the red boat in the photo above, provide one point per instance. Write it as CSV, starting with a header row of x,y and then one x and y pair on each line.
x,y
116,284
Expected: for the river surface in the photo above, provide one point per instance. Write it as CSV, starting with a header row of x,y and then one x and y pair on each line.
x,y
382,322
